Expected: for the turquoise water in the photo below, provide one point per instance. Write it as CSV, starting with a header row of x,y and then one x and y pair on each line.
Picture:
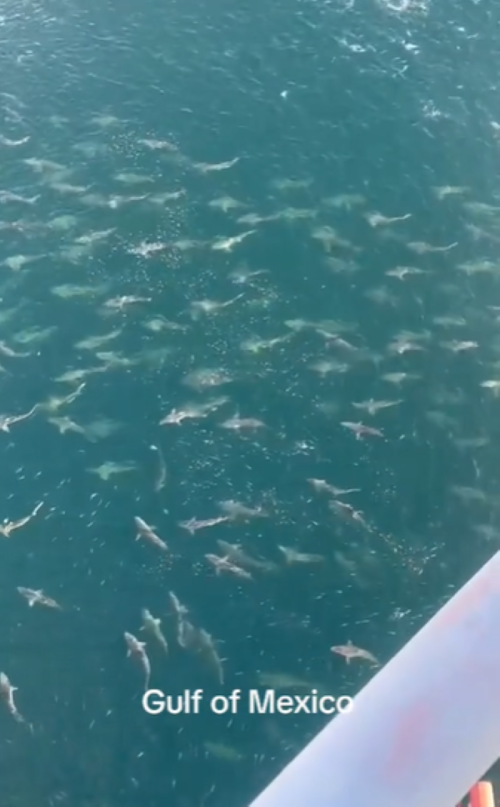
x,y
344,141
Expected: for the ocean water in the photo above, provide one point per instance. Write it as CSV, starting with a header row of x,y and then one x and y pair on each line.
x,y
342,141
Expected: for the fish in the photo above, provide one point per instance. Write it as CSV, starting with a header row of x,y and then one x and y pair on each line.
x,y
227,244
37,597
136,650
237,511
6,421
222,565
147,532
10,526
372,407
5,350
186,632
237,555
196,640
322,486
161,473
238,424
205,648
192,525
119,303
108,469
179,609
378,220
292,556
361,431
350,651
348,513
152,625
226,753
7,696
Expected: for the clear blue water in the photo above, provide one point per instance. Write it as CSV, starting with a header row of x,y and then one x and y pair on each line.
x,y
354,99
